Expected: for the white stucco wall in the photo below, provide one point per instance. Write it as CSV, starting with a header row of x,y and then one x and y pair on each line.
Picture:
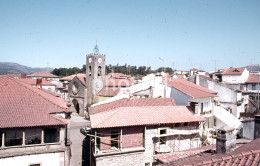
x,y
49,159
236,78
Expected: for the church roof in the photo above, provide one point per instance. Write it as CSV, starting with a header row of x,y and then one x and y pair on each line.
x,y
22,105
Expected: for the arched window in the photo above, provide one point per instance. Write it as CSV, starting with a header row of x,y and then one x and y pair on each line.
x,y
99,70
89,70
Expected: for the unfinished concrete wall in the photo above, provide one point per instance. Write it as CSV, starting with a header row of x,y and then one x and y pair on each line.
x,y
179,97
248,129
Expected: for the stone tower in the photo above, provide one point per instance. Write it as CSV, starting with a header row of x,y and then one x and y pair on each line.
x,y
95,75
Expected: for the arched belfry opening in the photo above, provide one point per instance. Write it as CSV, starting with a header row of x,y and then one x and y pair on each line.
x,y
76,105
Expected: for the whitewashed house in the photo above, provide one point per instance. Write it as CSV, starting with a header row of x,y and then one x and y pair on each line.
x,y
235,75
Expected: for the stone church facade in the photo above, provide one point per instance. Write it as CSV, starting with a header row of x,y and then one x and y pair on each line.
x,y
83,90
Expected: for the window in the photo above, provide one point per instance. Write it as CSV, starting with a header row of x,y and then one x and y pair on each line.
x,y
35,165
89,70
147,164
253,87
115,139
201,108
1,138
13,137
99,70
32,136
51,135
162,139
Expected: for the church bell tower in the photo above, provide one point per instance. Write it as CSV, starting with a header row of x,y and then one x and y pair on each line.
x,y
95,74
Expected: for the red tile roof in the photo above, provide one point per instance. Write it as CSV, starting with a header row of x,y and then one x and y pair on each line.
x,y
132,102
112,82
22,105
142,116
234,71
248,154
108,92
42,74
191,89
33,82
253,79
69,78
179,155
118,75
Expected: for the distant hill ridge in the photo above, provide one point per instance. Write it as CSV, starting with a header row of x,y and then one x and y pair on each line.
x,y
15,68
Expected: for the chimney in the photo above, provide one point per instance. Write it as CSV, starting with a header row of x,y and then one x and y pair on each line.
x,y
39,83
226,140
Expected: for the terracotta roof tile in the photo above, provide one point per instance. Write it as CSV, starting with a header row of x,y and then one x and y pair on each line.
x,y
191,89
142,116
22,105
33,82
42,74
234,71
118,75
253,79
244,155
108,92
69,78
132,102
113,82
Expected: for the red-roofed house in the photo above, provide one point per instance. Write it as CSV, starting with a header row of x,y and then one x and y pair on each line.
x,y
131,131
33,126
235,75
44,75
43,84
253,83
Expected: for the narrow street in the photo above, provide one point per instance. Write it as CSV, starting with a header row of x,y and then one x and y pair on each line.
x,y
77,139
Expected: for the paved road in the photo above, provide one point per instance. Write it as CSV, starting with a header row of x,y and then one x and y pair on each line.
x,y
77,139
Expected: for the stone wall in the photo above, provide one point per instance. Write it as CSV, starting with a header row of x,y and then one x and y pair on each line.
x,y
135,152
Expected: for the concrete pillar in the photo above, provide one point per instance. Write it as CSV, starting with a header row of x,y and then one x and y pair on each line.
x,y
23,138
42,140
3,139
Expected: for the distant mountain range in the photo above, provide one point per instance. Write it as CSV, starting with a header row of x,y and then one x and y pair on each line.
x,y
15,68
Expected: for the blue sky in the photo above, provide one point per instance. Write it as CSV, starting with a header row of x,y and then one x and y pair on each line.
x,y
186,33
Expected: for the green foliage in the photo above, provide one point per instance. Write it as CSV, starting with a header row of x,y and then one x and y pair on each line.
x,y
125,69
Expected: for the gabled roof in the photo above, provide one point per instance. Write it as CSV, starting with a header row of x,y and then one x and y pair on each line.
x,y
253,79
22,105
108,92
132,102
69,78
42,74
248,154
191,89
142,116
33,82
234,71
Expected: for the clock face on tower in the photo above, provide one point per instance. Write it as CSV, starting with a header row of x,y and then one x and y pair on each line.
x,y
89,60
99,60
